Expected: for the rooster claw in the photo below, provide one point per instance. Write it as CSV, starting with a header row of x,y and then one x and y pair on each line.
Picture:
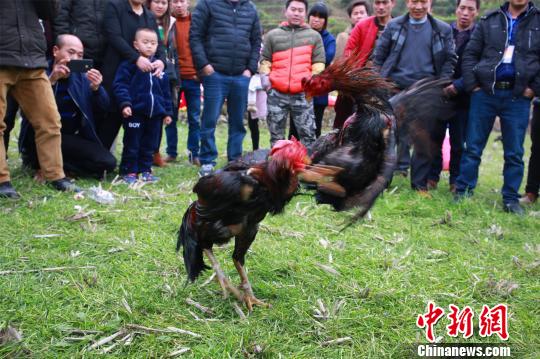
x,y
228,288
250,300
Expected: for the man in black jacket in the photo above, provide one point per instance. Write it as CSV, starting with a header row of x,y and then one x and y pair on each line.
x,y
225,40
22,73
501,66
83,19
466,12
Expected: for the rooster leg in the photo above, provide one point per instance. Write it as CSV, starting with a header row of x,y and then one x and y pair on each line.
x,y
249,297
223,281
242,243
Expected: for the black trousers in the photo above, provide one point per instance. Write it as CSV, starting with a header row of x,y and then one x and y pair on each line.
x,y
108,128
9,119
81,157
457,127
533,178
423,154
253,124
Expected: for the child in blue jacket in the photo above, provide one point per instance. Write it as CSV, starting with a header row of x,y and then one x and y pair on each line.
x,y
145,101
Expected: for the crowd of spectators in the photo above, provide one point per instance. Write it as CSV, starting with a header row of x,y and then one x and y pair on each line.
x,y
78,71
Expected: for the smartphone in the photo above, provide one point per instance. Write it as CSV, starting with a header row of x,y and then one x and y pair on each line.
x,y
80,65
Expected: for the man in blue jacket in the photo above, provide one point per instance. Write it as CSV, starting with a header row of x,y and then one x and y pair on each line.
x,y
79,97
225,41
501,66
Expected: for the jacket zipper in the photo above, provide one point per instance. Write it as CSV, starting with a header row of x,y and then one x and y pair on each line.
x,y
233,58
501,60
82,113
291,62
530,33
151,96
79,107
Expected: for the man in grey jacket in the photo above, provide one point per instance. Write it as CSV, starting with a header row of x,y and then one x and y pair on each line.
x,y
22,73
413,47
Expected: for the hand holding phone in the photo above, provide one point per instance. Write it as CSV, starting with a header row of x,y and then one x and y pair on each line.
x,y
80,65
95,78
59,71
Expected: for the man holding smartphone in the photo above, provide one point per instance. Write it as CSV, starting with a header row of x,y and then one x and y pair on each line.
x,y
79,97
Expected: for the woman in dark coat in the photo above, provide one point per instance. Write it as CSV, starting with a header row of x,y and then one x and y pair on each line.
x,y
121,21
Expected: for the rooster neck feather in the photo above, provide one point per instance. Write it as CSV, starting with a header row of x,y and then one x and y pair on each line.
x,y
364,85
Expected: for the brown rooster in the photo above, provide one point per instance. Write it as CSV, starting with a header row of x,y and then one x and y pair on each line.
x,y
231,203
352,166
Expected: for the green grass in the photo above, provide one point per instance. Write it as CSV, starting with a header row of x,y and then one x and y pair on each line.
x,y
389,268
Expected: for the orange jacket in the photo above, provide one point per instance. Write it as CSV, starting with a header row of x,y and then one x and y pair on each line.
x,y
291,54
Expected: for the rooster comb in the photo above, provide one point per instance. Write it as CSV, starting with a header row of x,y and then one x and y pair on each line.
x,y
292,150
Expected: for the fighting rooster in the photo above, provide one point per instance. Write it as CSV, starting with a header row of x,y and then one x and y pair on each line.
x,y
231,203
423,111
352,166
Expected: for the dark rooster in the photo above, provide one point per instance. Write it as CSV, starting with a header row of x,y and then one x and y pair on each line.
x,y
352,166
423,111
231,203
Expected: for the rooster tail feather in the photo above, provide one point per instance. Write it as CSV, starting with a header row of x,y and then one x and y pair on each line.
x,y
192,251
423,109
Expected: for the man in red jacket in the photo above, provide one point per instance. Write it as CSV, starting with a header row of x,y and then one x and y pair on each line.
x,y
361,43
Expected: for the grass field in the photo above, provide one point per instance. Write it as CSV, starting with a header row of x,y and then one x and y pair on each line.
x,y
373,279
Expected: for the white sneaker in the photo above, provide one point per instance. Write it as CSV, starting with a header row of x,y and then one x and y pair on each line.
x,y
206,169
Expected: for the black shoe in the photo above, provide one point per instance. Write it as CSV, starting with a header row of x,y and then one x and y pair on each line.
x,y
515,208
65,185
402,173
7,191
460,196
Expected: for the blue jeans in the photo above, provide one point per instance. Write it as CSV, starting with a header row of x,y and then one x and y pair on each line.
x,y
514,116
217,88
192,93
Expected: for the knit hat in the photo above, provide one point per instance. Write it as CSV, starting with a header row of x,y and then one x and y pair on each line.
x,y
319,10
